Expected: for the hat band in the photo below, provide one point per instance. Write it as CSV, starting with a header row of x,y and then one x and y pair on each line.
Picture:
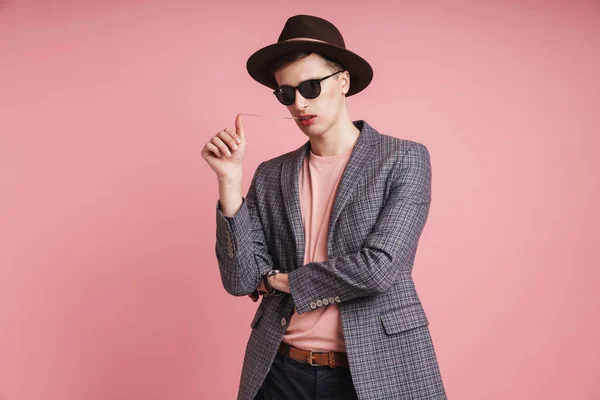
x,y
305,39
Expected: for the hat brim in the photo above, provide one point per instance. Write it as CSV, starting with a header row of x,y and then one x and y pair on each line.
x,y
360,70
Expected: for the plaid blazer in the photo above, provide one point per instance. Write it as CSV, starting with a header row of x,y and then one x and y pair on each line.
x,y
381,207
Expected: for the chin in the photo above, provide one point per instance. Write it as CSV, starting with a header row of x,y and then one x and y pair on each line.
x,y
317,126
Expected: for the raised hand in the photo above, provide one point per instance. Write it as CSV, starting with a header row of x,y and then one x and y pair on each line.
x,y
225,151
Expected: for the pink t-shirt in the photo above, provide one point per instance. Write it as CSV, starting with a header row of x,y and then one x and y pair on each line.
x,y
319,329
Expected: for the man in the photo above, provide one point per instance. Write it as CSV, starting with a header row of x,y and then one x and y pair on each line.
x,y
327,234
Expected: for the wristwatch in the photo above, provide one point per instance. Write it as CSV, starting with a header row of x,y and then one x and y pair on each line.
x,y
270,290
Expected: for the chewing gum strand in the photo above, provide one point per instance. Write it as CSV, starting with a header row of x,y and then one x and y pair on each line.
x,y
269,116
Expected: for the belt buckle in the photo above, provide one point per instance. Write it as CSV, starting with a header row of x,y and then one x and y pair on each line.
x,y
310,358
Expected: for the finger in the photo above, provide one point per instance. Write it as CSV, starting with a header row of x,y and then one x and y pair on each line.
x,y
228,136
233,134
239,127
211,148
254,296
221,145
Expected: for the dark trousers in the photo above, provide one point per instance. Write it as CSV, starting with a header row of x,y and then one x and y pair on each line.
x,y
289,379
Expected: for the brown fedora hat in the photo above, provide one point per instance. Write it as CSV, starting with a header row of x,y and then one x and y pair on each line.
x,y
314,35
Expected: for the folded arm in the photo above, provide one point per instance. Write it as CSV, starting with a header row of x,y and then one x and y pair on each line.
x,y
389,250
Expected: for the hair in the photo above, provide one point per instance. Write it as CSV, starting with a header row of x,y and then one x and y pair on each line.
x,y
287,59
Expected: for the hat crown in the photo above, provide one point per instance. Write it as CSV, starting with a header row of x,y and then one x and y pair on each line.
x,y
308,26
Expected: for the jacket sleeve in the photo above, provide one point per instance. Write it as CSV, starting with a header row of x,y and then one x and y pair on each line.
x,y
241,248
388,251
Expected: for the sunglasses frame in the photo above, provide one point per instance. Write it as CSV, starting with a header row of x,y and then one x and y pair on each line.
x,y
297,88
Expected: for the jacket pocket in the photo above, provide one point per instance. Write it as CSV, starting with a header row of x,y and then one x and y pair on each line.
x,y
259,313
403,319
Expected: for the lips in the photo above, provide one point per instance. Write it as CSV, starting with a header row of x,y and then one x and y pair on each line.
x,y
306,117
308,120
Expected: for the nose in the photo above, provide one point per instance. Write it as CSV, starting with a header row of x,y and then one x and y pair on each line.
x,y
300,102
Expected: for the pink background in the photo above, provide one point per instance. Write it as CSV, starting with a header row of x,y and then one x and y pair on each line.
x,y
109,287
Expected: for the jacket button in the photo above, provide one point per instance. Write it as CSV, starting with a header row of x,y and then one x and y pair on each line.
x,y
325,302
337,299
283,321
313,305
331,300
319,303
230,255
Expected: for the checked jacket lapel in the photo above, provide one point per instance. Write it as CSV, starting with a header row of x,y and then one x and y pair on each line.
x,y
356,166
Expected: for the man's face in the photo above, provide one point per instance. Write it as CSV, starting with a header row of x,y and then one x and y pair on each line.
x,y
328,105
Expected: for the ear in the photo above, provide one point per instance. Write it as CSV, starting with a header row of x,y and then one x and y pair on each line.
x,y
275,78
345,81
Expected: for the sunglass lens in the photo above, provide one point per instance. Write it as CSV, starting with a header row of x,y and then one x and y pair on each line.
x,y
286,95
310,89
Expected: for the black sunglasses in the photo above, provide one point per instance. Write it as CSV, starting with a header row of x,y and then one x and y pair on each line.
x,y
309,89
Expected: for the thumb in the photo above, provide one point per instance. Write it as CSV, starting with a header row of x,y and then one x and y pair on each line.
x,y
239,127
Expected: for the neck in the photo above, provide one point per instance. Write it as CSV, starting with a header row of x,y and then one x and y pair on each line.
x,y
340,137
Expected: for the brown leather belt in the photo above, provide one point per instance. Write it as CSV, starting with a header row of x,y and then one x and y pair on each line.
x,y
316,358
